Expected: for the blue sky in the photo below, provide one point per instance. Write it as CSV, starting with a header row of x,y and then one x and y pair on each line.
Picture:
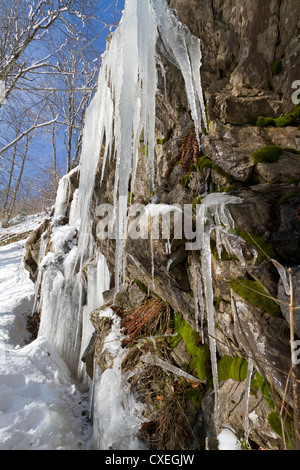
x,y
109,12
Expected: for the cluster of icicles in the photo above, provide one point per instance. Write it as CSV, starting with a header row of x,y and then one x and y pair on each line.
x,y
122,111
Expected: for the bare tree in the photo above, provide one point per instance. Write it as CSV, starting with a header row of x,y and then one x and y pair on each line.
x,y
49,64
24,23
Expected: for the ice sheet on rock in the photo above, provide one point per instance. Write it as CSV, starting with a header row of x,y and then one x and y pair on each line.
x,y
62,198
117,414
98,279
247,396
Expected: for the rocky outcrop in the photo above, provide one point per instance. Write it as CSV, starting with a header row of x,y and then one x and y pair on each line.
x,y
250,52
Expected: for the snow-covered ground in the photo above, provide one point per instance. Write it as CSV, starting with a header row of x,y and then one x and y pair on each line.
x,y
41,408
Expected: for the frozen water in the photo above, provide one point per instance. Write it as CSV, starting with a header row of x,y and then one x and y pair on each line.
x,y
213,214
117,414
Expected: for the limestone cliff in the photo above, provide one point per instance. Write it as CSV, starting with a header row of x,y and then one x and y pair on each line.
x,y
250,151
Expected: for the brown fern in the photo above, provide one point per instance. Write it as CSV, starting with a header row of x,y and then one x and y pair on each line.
x,y
188,154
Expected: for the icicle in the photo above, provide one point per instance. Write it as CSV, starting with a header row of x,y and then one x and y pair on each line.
x,y
211,214
43,245
283,275
198,299
62,198
156,361
74,210
247,395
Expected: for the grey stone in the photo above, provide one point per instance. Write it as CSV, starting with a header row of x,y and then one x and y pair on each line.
x,y
282,295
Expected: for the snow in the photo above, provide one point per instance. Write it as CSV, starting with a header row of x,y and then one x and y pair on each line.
x,y
40,404
228,440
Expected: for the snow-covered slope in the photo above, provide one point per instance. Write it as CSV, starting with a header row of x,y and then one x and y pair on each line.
x,y
40,405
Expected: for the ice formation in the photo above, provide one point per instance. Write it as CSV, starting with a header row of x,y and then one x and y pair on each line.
x,y
213,214
116,413
247,395
121,114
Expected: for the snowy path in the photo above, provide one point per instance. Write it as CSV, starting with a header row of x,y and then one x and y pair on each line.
x,y
40,406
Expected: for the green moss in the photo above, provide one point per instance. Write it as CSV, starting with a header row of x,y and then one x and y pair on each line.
x,y
185,180
277,67
263,248
166,137
258,383
264,121
144,150
195,396
293,181
254,293
197,201
224,255
199,352
181,108
232,368
205,162
289,119
131,197
277,42
275,422
290,150
141,286
286,198
268,154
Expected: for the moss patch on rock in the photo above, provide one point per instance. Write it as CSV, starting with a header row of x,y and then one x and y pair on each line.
x,y
199,352
286,198
232,368
268,154
289,119
205,162
277,67
253,292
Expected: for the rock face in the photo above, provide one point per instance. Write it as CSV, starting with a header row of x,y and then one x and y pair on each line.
x,y
250,61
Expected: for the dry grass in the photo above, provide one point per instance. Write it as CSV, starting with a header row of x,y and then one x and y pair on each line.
x,y
168,423
148,318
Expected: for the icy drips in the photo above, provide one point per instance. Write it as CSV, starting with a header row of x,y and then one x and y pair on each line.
x,y
213,214
247,396
117,415
120,116
122,113
98,278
